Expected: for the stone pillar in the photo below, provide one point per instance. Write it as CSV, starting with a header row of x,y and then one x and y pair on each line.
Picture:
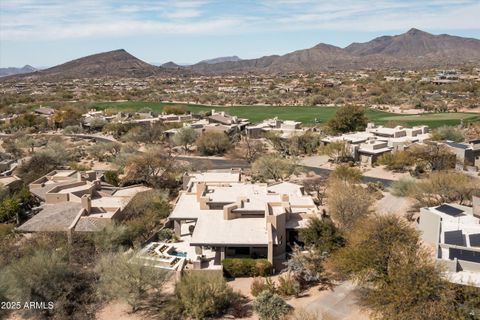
x,y
222,253
87,202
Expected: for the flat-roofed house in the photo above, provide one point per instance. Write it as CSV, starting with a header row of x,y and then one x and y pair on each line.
x,y
453,231
286,128
231,218
75,201
467,153
366,146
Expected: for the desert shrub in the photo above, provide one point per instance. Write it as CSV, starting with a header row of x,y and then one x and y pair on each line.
x,y
213,143
397,161
348,203
288,286
144,215
270,306
260,284
273,167
122,278
246,267
403,187
201,295
6,229
448,133
112,238
72,129
111,177
175,109
41,277
38,165
306,267
165,234
302,314
344,172
445,187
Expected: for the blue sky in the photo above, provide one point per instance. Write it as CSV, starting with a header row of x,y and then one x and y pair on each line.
x,y
49,32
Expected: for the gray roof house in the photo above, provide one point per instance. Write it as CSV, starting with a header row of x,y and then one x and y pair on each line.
x,y
76,201
454,233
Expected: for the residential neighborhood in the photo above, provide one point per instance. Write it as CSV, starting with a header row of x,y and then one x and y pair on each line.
x,y
256,160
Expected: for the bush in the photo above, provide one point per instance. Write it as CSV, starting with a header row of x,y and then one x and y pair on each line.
x,y
273,167
201,295
246,267
111,177
270,306
288,286
261,284
41,277
175,109
448,133
403,187
213,143
165,234
6,229
134,283
398,161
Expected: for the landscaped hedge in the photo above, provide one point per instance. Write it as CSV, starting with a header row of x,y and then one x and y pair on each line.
x,y
246,267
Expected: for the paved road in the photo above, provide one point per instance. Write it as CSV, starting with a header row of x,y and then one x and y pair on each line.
x,y
229,163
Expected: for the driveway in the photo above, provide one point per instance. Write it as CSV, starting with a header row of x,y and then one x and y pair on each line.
x,y
339,303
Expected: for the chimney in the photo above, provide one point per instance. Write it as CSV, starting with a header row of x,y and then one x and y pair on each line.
x,y
87,202
201,188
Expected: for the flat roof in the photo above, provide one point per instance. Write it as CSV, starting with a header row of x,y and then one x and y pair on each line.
x,y
215,176
213,230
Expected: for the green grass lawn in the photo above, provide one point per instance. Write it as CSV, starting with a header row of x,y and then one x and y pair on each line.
x,y
304,114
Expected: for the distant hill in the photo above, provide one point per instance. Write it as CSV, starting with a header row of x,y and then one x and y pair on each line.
x,y
416,45
117,64
412,49
12,70
171,65
221,59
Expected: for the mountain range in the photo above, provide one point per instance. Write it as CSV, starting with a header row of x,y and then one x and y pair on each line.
x,y
12,70
413,49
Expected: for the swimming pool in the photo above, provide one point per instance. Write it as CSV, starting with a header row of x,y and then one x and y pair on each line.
x,y
179,254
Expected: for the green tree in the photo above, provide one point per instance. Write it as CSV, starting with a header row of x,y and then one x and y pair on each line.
x,y
322,235
348,203
185,137
347,173
398,276
213,143
348,118
338,151
273,167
